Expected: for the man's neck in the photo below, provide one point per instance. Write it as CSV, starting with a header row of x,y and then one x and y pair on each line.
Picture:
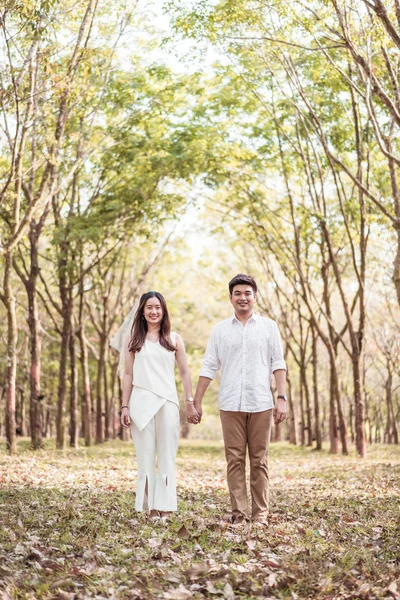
x,y
244,317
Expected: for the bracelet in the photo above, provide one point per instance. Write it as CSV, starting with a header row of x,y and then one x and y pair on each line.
x,y
125,406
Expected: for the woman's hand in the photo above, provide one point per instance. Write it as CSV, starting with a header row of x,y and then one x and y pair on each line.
x,y
125,420
192,415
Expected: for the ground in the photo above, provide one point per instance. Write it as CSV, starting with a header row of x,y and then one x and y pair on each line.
x,y
68,528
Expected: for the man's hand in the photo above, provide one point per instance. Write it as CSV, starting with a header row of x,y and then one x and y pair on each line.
x,y
199,410
280,411
192,415
125,420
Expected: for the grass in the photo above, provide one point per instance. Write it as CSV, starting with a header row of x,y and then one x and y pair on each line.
x,y
68,528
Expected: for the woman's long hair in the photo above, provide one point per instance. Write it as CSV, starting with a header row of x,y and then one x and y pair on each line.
x,y
139,327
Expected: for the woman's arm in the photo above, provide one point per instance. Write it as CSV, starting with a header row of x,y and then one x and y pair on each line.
x,y
127,381
184,372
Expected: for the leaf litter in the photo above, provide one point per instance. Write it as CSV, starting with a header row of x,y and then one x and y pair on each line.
x,y
69,529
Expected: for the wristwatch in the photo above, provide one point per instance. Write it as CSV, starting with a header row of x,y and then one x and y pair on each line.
x,y
190,399
283,396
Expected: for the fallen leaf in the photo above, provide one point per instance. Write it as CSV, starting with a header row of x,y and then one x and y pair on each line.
x,y
347,519
392,589
228,592
34,554
319,532
211,589
12,535
271,563
196,571
183,532
300,529
52,565
180,593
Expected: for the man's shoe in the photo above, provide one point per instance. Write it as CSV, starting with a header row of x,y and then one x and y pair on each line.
x,y
239,521
260,522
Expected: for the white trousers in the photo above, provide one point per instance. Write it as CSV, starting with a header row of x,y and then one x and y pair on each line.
x,y
159,439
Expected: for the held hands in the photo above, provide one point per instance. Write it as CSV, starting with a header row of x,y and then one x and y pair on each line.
x,y
280,411
125,420
193,413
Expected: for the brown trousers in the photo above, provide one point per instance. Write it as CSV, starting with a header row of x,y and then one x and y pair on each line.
x,y
252,430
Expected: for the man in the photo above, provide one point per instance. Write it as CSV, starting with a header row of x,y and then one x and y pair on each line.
x,y
248,349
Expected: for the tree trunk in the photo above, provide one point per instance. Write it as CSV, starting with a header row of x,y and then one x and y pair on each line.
x,y
391,433
47,424
368,422
107,400
308,406
35,407
358,406
12,335
317,429
114,397
62,383
351,423
302,423
291,416
276,433
99,403
22,412
333,428
74,393
342,423
2,393
84,359
396,265
87,394
64,349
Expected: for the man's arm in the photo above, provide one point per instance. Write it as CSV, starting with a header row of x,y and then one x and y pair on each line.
x,y
201,388
278,367
210,366
281,409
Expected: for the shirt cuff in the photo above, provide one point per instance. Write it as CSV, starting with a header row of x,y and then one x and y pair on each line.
x,y
278,364
204,372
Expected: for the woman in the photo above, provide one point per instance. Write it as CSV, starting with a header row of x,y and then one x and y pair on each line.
x,y
151,407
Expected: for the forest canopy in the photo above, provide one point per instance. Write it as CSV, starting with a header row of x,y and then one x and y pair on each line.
x,y
172,146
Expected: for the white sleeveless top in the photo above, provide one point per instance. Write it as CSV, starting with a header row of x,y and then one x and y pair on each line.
x,y
153,381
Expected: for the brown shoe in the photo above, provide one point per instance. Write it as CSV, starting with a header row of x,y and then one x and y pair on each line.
x,y
261,522
239,521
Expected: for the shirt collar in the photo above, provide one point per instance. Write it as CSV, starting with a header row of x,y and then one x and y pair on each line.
x,y
253,317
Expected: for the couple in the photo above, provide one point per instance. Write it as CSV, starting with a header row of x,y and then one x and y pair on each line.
x,y
248,349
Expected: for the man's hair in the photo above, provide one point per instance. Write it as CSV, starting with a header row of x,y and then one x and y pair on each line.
x,y
242,279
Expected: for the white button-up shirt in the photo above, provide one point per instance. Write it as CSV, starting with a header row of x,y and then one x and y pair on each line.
x,y
247,356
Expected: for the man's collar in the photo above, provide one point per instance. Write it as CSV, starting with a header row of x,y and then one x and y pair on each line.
x,y
253,317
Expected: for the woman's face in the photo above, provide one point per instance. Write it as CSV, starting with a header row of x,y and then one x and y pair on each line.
x,y
153,312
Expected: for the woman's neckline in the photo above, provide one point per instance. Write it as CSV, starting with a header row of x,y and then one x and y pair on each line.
x,y
151,341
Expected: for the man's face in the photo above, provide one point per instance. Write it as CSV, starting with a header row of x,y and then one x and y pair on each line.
x,y
243,299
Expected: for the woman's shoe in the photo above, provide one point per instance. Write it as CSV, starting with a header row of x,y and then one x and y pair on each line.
x,y
165,515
